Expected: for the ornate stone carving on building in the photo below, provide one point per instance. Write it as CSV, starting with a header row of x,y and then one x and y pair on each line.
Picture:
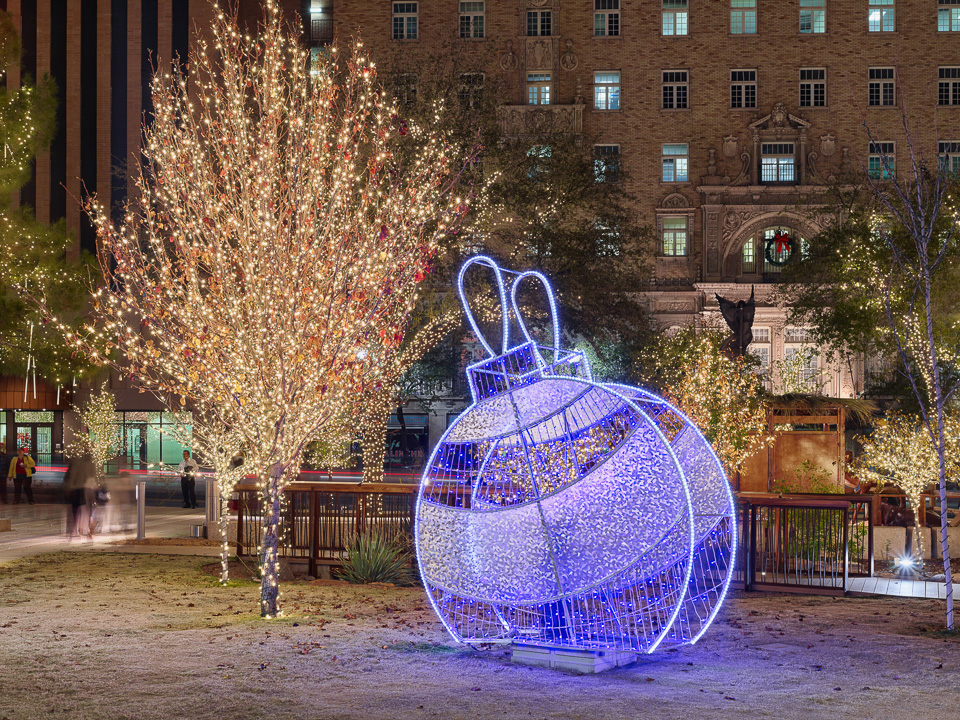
x,y
731,223
676,306
519,120
828,145
508,61
675,201
539,55
569,60
730,146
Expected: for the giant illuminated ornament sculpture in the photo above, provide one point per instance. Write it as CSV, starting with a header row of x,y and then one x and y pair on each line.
x,y
560,512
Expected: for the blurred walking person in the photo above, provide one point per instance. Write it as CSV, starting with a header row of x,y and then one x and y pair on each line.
x,y
73,490
3,477
188,479
21,470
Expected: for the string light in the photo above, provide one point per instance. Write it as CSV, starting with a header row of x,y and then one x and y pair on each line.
x,y
100,435
720,395
285,217
899,450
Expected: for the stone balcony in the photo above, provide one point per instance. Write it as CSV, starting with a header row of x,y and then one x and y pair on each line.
x,y
531,120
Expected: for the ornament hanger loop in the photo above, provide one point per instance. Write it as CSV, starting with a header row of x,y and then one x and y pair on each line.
x,y
504,311
550,300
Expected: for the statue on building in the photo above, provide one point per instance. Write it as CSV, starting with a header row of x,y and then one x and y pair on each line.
x,y
739,317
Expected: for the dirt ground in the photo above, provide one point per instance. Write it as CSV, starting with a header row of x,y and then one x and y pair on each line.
x,y
121,636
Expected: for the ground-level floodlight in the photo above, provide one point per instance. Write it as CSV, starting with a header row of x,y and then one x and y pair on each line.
x,y
564,513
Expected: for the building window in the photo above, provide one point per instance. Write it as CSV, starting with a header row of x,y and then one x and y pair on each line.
x,y
674,162
813,16
813,87
804,361
606,163
539,158
880,161
405,88
949,151
743,17
777,163
609,243
948,89
760,347
470,89
880,16
538,88
606,91
674,17
539,22
882,88
606,18
748,257
675,89
675,235
948,16
743,88
321,22
405,21
471,19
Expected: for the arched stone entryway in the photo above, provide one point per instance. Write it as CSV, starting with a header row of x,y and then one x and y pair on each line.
x,y
796,225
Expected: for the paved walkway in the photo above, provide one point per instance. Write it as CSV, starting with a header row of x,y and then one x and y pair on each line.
x,y
42,528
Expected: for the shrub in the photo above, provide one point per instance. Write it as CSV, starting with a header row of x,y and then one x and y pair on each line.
x,y
373,557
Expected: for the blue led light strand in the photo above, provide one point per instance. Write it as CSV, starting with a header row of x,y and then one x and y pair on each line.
x,y
490,263
554,316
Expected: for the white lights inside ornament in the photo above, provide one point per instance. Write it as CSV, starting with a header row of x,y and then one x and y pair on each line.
x,y
562,512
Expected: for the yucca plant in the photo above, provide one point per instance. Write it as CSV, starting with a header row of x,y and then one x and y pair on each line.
x,y
374,557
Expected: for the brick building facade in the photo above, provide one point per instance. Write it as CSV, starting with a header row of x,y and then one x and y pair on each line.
x,y
729,117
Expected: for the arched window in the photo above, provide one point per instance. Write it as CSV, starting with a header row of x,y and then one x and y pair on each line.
x,y
762,254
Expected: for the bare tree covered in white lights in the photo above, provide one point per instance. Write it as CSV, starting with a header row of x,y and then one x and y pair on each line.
x,y
285,218
99,434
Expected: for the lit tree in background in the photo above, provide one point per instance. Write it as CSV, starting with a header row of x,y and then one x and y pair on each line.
x,y
32,255
899,450
223,447
389,392
724,397
99,432
275,248
916,219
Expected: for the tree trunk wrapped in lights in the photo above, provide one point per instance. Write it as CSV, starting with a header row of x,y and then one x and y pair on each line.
x,y
377,404
275,247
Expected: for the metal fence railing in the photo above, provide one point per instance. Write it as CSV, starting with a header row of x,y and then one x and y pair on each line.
x,y
799,543
804,543
320,519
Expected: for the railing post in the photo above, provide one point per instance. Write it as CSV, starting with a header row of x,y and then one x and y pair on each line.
x,y
241,504
870,538
750,579
846,549
314,526
141,510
